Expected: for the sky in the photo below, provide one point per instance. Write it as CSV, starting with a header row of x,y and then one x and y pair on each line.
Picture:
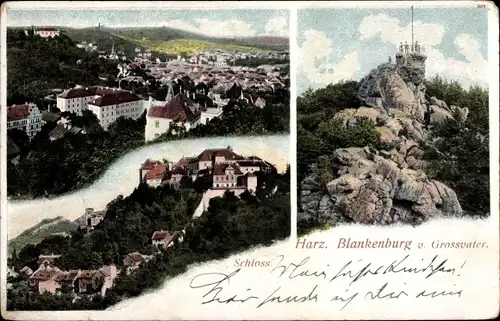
x,y
354,41
216,23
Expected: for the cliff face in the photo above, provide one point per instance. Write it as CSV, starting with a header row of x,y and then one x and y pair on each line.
x,y
386,186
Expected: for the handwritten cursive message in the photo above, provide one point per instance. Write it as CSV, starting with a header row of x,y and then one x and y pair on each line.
x,y
339,283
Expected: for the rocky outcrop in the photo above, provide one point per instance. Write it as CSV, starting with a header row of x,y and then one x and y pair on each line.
x,y
378,188
386,186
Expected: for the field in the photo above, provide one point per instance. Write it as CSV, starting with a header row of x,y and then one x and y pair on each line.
x,y
187,46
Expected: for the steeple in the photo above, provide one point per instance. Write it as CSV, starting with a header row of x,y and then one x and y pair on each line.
x,y
170,92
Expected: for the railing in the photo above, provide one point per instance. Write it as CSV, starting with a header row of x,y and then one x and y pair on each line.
x,y
420,49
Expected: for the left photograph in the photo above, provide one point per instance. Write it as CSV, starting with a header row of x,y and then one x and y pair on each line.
x,y
140,142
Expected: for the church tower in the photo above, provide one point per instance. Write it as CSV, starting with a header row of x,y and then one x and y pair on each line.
x,y
170,93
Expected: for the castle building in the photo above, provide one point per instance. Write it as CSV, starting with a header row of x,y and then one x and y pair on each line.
x,y
27,118
108,104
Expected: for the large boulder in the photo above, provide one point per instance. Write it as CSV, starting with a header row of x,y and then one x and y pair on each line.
x,y
438,115
380,188
395,92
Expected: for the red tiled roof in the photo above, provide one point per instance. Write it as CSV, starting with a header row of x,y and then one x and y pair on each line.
x,y
109,96
78,92
61,276
220,169
115,98
160,235
177,110
184,161
207,154
87,274
46,29
44,275
157,172
17,112
178,170
148,164
71,275
136,256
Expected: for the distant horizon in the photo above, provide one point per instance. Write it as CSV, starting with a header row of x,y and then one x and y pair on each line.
x,y
228,23
143,27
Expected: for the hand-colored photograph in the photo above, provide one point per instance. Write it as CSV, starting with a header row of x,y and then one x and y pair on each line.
x,y
140,142
392,125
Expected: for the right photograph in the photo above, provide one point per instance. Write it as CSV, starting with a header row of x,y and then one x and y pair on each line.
x,y
392,116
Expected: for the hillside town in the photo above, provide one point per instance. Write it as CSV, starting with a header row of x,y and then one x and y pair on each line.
x,y
93,106
223,169
197,90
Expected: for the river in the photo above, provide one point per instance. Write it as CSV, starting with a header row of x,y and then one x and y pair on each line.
x,y
123,176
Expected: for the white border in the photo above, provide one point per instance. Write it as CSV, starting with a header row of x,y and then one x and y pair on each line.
x,y
293,122
493,60
3,160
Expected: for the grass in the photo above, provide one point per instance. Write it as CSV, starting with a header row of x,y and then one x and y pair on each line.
x,y
188,46
40,231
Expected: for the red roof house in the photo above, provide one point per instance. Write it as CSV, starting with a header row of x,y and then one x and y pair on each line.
x,y
179,109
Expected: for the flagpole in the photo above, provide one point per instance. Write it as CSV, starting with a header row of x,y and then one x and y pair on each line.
x,y
412,44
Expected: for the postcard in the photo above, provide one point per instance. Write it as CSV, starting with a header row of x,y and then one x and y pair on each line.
x,y
249,160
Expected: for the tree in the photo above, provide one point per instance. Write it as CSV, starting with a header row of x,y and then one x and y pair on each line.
x,y
186,182
202,183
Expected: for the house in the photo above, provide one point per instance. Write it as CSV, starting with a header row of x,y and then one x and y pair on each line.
x,y
250,182
89,280
68,278
110,273
209,157
154,177
27,118
47,32
225,168
112,105
63,128
152,173
209,113
46,261
133,260
180,109
164,238
91,219
75,100
226,175
250,165
107,104
45,279
180,169
26,270
52,279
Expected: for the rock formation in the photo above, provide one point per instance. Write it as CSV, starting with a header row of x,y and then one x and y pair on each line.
x,y
386,186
